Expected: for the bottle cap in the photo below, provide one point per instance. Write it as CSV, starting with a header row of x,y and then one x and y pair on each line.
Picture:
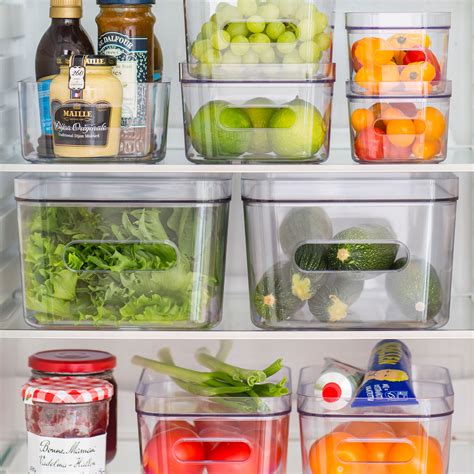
x,y
65,9
331,392
126,2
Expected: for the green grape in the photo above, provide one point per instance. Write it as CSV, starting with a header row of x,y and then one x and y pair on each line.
x,y
292,58
214,19
220,40
211,56
286,42
275,29
268,11
323,40
237,29
288,8
307,29
260,42
221,5
230,58
251,57
208,29
199,37
239,45
200,47
309,52
247,7
321,21
268,56
307,10
228,14
256,24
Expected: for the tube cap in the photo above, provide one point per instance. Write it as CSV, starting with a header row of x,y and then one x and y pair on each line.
x,y
331,392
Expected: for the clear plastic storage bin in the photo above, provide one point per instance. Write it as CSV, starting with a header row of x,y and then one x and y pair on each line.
x,y
383,440
142,136
251,32
228,120
406,126
116,252
350,251
182,433
398,47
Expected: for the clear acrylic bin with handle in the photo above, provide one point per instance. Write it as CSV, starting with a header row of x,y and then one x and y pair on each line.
x,y
182,433
398,439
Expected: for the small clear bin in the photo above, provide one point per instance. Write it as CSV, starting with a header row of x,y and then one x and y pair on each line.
x,y
350,251
251,32
408,125
379,440
227,120
398,47
117,252
141,135
186,434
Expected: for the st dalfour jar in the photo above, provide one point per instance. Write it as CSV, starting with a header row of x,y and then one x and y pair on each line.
x,y
86,107
80,363
66,420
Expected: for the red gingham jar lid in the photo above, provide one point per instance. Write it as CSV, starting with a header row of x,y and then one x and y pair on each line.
x,y
66,390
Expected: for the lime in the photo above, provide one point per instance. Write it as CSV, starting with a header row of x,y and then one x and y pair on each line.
x,y
297,130
218,130
260,115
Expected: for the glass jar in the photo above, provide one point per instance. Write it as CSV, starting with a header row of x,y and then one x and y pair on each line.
x,y
67,420
86,107
80,363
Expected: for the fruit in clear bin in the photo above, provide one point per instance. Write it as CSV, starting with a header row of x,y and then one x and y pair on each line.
x,y
251,57
408,41
166,425
362,429
368,145
234,458
435,122
377,79
237,29
292,58
240,45
247,7
220,40
392,152
372,51
218,129
268,56
426,148
256,24
408,108
407,428
401,132
268,11
288,8
362,118
200,47
230,58
275,29
227,14
259,42
392,113
286,42
309,28
208,29
260,113
323,40
418,455
309,52
418,72
297,130
306,10
211,56
379,444
337,453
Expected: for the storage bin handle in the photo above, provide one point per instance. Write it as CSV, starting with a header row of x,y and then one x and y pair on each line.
x,y
310,248
165,251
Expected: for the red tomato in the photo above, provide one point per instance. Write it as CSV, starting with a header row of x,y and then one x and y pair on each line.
x,y
368,145
174,452
272,445
216,435
235,458
422,55
165,425
222,423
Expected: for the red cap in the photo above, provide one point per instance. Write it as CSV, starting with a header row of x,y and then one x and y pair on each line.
x,y
331,392
72,361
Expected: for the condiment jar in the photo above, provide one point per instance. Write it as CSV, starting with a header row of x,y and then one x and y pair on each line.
x,y
80,363
86,107
66,420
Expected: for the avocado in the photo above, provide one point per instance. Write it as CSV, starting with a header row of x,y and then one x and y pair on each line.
x,y
362,256
415,289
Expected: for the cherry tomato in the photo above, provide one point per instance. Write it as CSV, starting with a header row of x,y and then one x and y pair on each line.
x,y
403,429
368,145
207,423
378,445
217,435
165,425
174,452
235,458
272,444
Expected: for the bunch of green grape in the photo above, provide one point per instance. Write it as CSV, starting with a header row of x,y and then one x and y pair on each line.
x,y
263,32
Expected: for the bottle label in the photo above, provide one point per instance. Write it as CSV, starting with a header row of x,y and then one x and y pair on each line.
x,y
66,455
44,86
80,123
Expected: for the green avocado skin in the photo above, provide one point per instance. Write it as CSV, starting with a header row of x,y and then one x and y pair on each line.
x,y
415,290
362,256
273,298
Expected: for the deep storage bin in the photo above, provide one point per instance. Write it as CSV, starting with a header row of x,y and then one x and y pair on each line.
x,y
350,251
383,440
246,32
182,433
399,126
104,251
398,47
142,136
226,120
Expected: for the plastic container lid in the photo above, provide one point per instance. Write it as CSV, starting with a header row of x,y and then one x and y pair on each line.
x,y
398,20
399,90
69,390
92,189
72,361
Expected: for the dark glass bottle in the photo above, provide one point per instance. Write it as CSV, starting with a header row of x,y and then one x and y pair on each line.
x,y
65,36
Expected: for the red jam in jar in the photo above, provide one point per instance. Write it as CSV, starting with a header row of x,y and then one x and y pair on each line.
x,y
66,420
79,363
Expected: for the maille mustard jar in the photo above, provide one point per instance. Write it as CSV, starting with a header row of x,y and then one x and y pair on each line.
x,y
86,107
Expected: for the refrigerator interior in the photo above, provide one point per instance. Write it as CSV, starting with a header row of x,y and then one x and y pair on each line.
x,y
22,23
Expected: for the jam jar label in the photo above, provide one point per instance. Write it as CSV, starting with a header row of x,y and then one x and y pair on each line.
x,y
80,123
66,455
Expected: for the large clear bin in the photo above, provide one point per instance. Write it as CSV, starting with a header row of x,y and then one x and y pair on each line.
x,y
182,433
339,251
409,438
117,252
